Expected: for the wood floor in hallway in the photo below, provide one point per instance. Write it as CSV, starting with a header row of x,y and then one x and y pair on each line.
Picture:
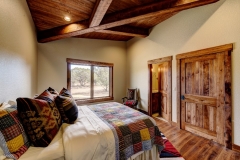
x,y
193,147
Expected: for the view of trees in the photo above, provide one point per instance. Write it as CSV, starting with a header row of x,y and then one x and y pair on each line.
x,y
81,77
101,77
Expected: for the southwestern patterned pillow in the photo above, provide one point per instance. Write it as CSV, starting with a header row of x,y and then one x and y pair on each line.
x,y
13,139
53,92
40,118
67,106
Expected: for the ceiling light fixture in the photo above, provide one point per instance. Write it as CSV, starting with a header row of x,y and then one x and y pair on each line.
x,y
67,18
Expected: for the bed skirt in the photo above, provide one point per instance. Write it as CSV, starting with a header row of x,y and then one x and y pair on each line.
x,y
143,155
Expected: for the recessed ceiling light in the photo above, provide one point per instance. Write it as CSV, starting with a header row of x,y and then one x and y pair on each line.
x,y
67,18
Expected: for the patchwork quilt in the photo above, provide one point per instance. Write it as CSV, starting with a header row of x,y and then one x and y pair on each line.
x,y
133,130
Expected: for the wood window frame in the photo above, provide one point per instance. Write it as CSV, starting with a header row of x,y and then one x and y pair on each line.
x,y
92,64
157,61
227,48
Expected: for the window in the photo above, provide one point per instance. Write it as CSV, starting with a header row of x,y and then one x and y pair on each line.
x,y
90,81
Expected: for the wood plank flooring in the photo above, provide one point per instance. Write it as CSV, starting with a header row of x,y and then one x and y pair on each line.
x,y
193,147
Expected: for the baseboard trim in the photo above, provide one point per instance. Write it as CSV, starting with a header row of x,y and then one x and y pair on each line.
x,y
174,124
235,147
143,111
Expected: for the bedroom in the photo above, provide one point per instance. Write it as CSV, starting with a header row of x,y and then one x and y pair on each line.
x,y
28,67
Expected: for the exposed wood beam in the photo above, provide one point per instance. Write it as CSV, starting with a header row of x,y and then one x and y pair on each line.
x,y
121,18
153,21
99,11
126,31
104,36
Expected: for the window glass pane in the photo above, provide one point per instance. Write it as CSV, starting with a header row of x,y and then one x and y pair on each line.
x,y
101,81
80,81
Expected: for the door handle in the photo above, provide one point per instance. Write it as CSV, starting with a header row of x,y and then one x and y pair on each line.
x,y
182,97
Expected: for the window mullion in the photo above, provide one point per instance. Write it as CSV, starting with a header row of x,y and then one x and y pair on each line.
x,y
69,85
92,82
111,81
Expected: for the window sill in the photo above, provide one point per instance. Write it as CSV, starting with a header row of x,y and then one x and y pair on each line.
x,y
85,101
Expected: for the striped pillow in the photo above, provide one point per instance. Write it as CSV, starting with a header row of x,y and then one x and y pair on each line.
x,y
67,106
40,117
13,139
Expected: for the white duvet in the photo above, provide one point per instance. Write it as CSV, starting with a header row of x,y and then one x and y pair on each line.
x,y
88,138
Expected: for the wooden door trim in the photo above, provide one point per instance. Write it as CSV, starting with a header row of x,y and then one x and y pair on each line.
x,y
222,48
169,100
228,103
150,89
160,60
227,88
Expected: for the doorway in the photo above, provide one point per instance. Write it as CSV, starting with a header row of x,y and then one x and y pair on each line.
x,y
204,93
160,88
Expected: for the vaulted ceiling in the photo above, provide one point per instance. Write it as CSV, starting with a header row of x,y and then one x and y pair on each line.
x,y
103,19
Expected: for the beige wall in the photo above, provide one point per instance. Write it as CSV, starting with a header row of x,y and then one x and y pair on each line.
x,y
18,51
189,30
52,66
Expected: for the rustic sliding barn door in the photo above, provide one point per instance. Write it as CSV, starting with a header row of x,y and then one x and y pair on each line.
x,y
203,95
163,85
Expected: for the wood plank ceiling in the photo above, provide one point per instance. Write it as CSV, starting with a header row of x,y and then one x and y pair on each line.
x,y
103,19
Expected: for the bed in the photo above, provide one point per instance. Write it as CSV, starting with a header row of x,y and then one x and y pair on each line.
x,y
103,131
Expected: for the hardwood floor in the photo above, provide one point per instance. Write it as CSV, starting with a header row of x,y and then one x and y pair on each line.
x,y
193,147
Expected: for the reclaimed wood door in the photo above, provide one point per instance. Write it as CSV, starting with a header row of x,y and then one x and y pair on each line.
x,y
203,95
163,87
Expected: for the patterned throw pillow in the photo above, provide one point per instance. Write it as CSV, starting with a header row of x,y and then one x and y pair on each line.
x,y
40,118
53,92
67,106
131,94
13,139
